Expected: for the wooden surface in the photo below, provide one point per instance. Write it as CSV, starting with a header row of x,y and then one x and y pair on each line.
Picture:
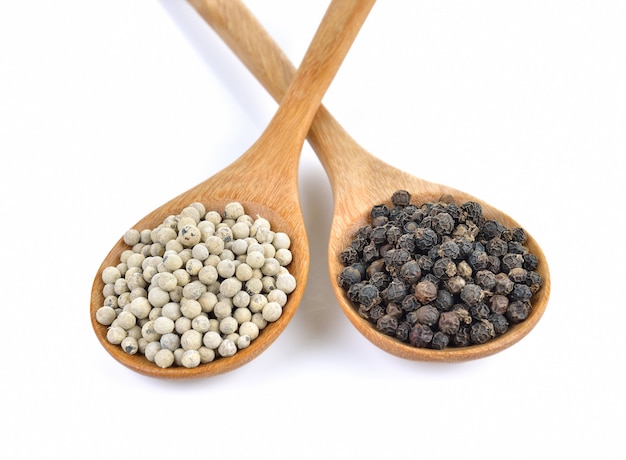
x,y
359,180
264,180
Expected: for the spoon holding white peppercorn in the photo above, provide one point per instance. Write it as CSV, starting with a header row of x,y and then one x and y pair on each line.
x,y
273,157
352,172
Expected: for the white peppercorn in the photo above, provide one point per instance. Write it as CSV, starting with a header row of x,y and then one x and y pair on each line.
x,y
151,350
190,358
189,235
182,325
171,310
158,297
207,301
194,290
243,342
191,340
241,299
284,257
243,272
226,268
126,320
242,315
255,259
277,296
163,325
121,286
286,282
148,332
281,241
132,237
254,285
171,341
140,307
207,355
164,358
200,252
249,329
228,325
230,286
233,210
257,318
208,274
193,266
257,302
222,309
115,335
134,332
212,339
271,267
239,246
272,311
105,315
227,348
110,275
201,323
130,345
240,230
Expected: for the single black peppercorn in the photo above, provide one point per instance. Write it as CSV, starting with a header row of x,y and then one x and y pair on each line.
x,y
485,279
510,261
395,310
517,311
387,324
401,198
479,311
425,238
444,268
396,291
380,279
349,276
462,337
499,303
496,247
481,332
530,262
402,331
518,275
499,322
439,341
410,303
426,291
420,335
472,294
449,322
379,210
369,295
521,292
410,272
444,300
449,249
534,281
443,223
349,256
428,315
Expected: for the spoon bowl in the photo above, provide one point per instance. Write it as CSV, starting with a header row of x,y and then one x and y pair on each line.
x,y
359,180
263,180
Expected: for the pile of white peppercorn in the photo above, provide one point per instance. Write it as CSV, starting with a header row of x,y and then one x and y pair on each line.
x,y
200,286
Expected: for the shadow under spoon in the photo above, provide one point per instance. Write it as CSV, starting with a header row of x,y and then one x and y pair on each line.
x,y
360,181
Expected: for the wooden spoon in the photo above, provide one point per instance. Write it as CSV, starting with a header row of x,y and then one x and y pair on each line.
x,y
359,181
263,179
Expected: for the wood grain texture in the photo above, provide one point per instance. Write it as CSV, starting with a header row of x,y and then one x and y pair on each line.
x,y
274,157
360,180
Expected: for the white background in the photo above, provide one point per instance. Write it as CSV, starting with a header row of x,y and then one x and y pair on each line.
x,y
108,109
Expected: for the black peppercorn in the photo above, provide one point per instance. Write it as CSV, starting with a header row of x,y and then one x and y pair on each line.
x,y
481,332
420,335
401,198
439,274
426,291
439,341
427,314
387,324
517,311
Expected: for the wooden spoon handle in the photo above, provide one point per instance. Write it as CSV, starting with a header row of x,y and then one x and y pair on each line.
x,y
254,47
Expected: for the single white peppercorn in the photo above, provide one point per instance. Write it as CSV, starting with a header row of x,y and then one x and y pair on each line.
x,y
243,272
272,311
140,307
255,259
115,335
110,275
207,355
228,325
271,267
163,325
148,332
281,241
277,296
164,358
233,210
242,315
189,235
230,286
243,342
257,302
208,274
286,282
226,268
207,301
284,257
151,350
254,285
212,339
193,266
241,299
190,358
171,341
182,325
249,329
158,297
227,348
130,345
171,310
132,237
105,315
126,320
201,323
191,340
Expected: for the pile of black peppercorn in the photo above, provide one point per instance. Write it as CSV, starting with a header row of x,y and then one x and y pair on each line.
x,y
439,274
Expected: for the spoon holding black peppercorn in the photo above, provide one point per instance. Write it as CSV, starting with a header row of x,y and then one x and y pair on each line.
x,y
352,171
274,158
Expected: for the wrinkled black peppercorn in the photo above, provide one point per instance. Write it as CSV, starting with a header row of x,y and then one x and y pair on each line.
x,y
439,275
